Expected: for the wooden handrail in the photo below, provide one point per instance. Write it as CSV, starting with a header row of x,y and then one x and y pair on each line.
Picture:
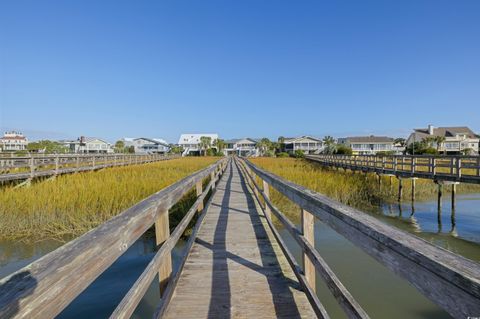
x,y
45,287
55,165
456,168
449,280
338,290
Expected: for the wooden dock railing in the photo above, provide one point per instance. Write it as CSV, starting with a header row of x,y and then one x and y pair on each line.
x,y
29,167
464,169
449,280
45,287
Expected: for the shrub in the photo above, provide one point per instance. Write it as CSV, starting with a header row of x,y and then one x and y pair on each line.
x,y
299,154
283,154
343,150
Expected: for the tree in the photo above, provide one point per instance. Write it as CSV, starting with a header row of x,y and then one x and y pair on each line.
x,y
329,143
175,149
439,140
400,141
281,144
264,145
46,146
343,150
429,141
119,146
219,144
205,144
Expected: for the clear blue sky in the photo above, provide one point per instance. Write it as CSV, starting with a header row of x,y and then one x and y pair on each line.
x,y
238,68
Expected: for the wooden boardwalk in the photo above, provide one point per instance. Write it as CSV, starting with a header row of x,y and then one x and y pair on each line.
x,y
236,268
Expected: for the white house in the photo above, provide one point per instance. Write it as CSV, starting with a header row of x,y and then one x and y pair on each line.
x,y
13,141
89,145
191,142
242,147
457,139
147,145
307,144
368,145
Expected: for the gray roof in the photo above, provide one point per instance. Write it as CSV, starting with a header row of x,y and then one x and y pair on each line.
x,y
369,139
153,141
446,131
292,139
235,140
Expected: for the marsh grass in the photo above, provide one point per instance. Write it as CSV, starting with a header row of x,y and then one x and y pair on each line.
x,y
70,205
358,190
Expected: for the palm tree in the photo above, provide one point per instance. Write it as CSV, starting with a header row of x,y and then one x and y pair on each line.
x,y
219,144
400,141
329,143
264,145
328,140
281,144
439,140
205,143
428,141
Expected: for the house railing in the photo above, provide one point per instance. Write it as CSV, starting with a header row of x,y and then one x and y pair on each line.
x,y
449,280
47,286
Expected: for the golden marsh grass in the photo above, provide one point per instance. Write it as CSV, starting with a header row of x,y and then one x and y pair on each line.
x,y
70,205
357,190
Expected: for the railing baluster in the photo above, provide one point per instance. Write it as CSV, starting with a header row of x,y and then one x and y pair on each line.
x,y
199,189
162,232
266,191
308,226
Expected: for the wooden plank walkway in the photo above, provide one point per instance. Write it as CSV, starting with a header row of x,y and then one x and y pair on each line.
x,y
236,269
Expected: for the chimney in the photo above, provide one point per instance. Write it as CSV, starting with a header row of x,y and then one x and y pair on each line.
x,y
430,129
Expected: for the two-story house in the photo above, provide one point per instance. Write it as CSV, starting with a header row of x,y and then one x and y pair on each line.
x,y
191,143
368,145
145,145
307,144
453,140
13,141
88,145
246,147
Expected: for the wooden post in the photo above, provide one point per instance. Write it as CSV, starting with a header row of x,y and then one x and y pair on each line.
x,y
56,165
78,163
308,230
32,167
454,191
434,166
162,232
412,166
199,189
413,189
459,167
266,190
440,194
478,166
400,189
212,178
93,161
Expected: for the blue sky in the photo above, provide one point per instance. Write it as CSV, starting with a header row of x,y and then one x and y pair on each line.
x,y
238,68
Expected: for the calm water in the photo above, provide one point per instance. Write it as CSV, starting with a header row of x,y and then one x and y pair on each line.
x,y
380,292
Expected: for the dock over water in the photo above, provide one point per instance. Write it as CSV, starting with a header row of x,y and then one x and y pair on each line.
x,y
235,262
236,269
